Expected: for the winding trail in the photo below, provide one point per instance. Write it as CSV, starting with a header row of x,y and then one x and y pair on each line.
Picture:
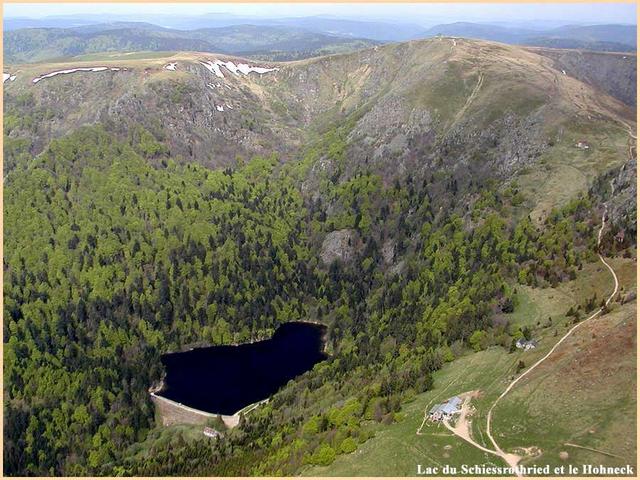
x,y
553,349
462,427
472,96
593,316
463,430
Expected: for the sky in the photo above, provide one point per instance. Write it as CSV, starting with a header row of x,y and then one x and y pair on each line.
x,y
578,13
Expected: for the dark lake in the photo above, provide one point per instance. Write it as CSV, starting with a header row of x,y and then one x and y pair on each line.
x,y
225,379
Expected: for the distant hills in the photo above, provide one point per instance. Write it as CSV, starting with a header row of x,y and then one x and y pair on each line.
x,y
269,42
617,38
52,38
372,30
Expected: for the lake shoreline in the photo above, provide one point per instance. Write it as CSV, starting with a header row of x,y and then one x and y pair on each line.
x,y
197,345
196,377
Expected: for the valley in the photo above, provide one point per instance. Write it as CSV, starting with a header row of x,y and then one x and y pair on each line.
x,y
432,202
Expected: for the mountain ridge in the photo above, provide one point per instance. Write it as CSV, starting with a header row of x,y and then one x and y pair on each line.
x,y
391,122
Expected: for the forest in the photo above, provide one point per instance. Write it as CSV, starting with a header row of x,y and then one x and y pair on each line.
x,y
116,253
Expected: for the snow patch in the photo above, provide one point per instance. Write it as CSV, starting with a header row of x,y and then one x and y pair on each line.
x,y
74,70
171,66
5,77
220,108
563,72
213,67
241,68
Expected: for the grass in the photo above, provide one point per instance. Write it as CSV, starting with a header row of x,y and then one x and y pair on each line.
x,y
584,395
584,387
536,305
397,450
564,170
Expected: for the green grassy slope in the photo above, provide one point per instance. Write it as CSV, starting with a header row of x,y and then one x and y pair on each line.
x,y
566,401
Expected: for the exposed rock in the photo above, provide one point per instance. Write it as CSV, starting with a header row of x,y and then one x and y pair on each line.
x,y
623,194
339,245
389,251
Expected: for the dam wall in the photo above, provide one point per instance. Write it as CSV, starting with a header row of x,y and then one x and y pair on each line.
x,y
174,413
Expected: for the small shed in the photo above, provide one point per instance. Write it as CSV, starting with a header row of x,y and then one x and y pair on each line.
x,y
211,432
526,344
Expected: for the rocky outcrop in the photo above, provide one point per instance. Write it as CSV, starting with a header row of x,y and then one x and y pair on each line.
x,y
624,191
339,245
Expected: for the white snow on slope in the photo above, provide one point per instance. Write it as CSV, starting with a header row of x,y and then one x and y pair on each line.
x,y
213,67
243,68
5,77
220,108
73,70
171,66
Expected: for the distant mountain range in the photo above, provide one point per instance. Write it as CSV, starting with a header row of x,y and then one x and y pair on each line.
x,y
269,42
51,38
621,38
379,31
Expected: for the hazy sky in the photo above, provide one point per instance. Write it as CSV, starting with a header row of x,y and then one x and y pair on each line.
x,y
586,12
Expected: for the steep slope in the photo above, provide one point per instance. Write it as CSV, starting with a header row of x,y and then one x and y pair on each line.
x,y
477,108
597,69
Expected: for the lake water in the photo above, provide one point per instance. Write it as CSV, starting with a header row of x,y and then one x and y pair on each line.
x,y
225,379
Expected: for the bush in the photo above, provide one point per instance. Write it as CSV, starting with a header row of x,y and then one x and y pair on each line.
x,y
348,445
324,455
478,340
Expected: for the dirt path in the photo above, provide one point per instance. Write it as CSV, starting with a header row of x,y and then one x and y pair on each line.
x,y
426,409
594,450
553,349
462,429
470,99
568,334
